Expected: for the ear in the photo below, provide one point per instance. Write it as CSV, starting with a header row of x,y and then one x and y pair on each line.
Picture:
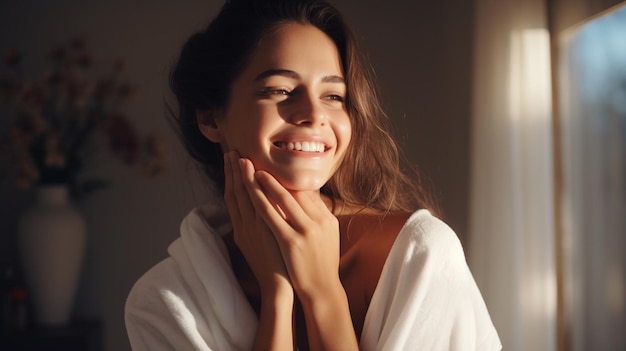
x,y
208,126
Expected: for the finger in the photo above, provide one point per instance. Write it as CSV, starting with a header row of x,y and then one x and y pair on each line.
x,y
274,191
272,215
312,203
309,201
254,188
246,209
255,192
229,191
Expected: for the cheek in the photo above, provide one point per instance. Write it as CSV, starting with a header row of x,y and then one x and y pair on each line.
x,y
245,143
241,130
344,132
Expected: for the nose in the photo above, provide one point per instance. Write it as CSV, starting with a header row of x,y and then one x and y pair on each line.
x,y
308,111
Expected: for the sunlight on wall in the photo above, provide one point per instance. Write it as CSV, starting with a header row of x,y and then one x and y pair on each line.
x,y
530,89
530,108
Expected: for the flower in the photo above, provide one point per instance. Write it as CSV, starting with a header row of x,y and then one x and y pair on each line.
x,y
122,138
55,119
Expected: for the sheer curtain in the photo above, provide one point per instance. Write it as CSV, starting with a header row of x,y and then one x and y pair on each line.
x,y
512,241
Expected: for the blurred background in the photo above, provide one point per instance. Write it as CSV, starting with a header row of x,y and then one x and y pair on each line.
x,y
434,65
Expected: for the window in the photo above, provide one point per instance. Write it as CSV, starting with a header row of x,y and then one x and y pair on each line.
x,y
592,120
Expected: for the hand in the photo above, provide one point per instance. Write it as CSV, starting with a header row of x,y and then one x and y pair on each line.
x,y
306,231
308,236
251,234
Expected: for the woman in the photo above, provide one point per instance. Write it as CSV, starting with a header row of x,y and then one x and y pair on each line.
x,y
324,242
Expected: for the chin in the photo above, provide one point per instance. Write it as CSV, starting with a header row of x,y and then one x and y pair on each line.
x,y
294,177
301,183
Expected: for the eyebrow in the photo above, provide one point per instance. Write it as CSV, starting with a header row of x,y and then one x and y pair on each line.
x,y
293,75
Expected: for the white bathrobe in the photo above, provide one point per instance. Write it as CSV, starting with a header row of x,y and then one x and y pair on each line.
x,y
426,298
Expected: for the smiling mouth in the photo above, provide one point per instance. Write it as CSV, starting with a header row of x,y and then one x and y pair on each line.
x,y
304,146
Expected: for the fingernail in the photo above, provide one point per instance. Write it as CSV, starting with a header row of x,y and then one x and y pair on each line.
x,y
258,175
242,163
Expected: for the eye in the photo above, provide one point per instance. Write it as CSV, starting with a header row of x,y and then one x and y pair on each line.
x,y
335,97
275,91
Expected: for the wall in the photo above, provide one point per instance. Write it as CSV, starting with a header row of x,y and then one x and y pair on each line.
x,y
421,52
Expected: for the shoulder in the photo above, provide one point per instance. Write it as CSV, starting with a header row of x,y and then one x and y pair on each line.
x,y
191,299
426,232
377,234
145,307
152,305
412,233
197,239
371,235
426,294
428,245
147,289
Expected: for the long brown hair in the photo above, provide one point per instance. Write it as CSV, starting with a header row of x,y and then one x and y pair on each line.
x,y
370,175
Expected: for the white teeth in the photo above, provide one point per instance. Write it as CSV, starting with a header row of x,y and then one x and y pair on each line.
x,y
304,146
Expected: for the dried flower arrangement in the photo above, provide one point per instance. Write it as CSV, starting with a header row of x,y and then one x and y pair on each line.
x,y
55,120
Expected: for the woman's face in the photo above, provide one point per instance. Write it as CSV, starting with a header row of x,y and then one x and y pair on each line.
x,y
286,111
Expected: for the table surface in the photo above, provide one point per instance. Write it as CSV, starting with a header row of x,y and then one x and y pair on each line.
x,y
81,335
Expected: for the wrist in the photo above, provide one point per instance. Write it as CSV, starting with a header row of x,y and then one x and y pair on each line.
x,y
328,319
275,331
279,293
329,297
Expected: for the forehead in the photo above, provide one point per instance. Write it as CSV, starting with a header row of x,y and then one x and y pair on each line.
x,y
297,47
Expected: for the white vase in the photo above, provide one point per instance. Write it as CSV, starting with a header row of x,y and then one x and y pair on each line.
x,y
51,239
